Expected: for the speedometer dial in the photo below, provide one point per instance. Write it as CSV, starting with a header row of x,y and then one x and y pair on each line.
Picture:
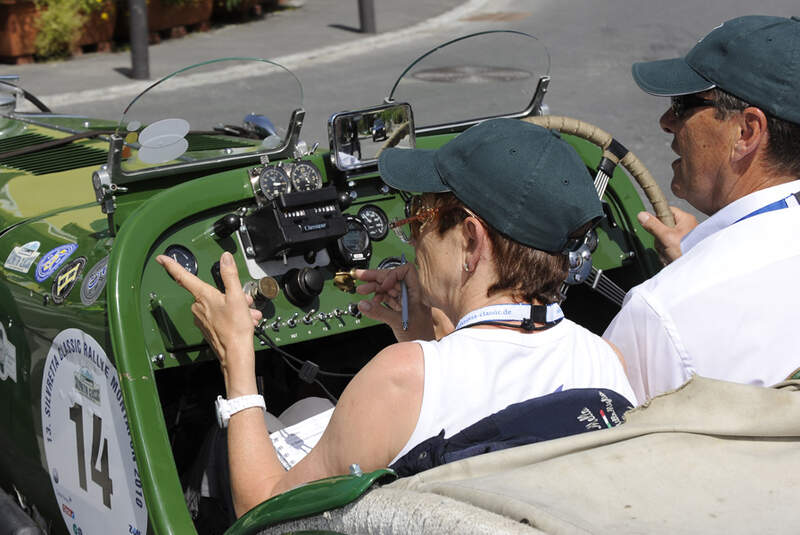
x,y
272,181
375,220
306,177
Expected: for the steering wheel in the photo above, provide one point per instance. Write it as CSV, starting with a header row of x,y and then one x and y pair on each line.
x,y
611,150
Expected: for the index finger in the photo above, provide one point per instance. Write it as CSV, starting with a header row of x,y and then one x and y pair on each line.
x,y
191,283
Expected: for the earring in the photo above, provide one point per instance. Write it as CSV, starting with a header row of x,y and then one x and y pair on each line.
x,y
466,267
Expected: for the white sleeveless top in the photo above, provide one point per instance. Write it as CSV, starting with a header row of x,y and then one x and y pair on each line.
x,y
475,372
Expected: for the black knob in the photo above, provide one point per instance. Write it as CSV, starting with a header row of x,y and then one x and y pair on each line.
x,y
301,286
226,225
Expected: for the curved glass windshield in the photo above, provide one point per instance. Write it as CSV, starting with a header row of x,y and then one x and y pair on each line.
x,y
485,74
190,115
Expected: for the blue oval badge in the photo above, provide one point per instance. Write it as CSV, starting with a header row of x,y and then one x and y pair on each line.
x,y
51,261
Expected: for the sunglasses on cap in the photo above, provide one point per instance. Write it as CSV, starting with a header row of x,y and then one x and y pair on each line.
x,y
680,105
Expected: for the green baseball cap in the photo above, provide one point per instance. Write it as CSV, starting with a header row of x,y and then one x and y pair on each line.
x,y
522,179
755,58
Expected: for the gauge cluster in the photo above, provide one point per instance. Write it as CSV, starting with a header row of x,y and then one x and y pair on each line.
x,y
270,181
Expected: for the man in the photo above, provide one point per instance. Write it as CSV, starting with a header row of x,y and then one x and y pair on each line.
x,y
727,305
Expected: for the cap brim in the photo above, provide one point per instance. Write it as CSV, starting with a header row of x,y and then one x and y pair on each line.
x,y
411,170
669,78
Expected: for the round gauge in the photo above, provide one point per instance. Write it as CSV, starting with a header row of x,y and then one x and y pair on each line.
x,y
306,177
183,256
354,248
390,262
375,220
273,181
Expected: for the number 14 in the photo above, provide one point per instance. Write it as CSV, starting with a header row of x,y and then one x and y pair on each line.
x,y
102,476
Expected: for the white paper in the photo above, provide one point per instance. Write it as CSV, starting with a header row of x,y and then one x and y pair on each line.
x,y
294,442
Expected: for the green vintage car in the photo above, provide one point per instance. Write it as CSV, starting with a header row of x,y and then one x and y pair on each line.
x,y
108,388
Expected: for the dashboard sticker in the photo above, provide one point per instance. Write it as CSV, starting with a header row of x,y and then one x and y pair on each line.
x,y
87,439
94,282
8,357
65,279
53,259
22,257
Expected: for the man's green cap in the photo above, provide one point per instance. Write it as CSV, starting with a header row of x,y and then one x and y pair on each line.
x,y
755,58
522,179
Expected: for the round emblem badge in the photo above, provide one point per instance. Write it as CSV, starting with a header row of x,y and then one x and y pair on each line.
x,y
94,282
87,441
53,259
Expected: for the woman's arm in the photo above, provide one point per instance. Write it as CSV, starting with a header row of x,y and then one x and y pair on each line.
x,y
376,414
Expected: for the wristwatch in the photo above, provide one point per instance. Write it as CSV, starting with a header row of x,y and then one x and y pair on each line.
x,y
228,407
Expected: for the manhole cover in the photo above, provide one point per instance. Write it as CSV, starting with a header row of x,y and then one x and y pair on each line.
x,y
471,74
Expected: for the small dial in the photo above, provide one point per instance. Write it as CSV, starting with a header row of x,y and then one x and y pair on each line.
x,y
375,220
272,181
183,256
354,248
306,177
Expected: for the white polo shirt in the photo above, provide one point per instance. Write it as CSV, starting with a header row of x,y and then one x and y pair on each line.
x,y
728,308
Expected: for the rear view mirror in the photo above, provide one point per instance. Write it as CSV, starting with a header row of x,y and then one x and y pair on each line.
x,y
358,137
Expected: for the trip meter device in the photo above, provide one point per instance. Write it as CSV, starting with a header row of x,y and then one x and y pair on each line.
x,y
354,248
306,177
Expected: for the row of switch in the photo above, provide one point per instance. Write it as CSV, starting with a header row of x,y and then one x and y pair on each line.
x,y
313,315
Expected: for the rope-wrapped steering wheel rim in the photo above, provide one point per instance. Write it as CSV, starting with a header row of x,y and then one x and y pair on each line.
x,y
629,161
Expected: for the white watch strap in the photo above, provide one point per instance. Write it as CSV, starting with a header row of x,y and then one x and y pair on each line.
x,y
228,407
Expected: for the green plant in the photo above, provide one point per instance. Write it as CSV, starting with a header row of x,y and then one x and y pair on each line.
x,y
60,23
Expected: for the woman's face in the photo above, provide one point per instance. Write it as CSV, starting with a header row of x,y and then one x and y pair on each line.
x,y
439,260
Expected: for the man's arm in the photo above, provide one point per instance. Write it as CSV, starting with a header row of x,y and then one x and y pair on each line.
x,y
655,359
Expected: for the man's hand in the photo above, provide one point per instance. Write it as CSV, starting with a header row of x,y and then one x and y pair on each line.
x,y
668,239
225,320
385,284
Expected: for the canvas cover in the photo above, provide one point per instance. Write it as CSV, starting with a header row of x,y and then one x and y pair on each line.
x,y
710,457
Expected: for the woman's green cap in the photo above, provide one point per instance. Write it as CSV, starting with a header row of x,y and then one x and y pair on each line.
x,y
522,179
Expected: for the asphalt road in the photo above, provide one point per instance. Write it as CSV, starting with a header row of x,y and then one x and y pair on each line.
x,y
592,45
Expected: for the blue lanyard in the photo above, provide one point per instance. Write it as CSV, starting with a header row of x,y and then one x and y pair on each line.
x,y
509,312
771,207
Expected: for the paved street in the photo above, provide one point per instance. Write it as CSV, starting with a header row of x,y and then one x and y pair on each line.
x,y
591,45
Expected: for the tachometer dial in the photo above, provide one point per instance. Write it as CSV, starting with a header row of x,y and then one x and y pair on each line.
x,y
306,177
272,181
375,220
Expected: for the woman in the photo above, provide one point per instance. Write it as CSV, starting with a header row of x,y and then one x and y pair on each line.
x,y
503,201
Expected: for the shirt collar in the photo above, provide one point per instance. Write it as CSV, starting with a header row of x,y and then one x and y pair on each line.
x,y
736,210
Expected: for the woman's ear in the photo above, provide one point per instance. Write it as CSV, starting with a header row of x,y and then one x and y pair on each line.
x,y
476,241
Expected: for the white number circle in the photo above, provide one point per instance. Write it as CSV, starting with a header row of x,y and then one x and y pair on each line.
x,y
87,441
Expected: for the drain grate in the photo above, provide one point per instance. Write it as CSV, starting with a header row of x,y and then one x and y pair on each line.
x,y
56,159
203,142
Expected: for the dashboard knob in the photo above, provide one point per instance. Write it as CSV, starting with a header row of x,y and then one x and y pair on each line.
x,y
226,225
301,286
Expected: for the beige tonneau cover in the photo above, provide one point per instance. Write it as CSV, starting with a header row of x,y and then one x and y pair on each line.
x,y
710,457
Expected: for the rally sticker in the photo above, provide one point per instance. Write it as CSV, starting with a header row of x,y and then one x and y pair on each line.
x,y
22,257
88,443
53,259
8,357
94,282
65,279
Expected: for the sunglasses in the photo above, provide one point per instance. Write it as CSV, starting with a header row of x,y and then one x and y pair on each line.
x,y
680,105
417,216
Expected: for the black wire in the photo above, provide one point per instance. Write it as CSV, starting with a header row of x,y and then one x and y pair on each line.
x,y
259,332
33,100
506,324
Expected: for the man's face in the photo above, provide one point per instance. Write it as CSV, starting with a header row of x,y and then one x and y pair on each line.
x,y
703,143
